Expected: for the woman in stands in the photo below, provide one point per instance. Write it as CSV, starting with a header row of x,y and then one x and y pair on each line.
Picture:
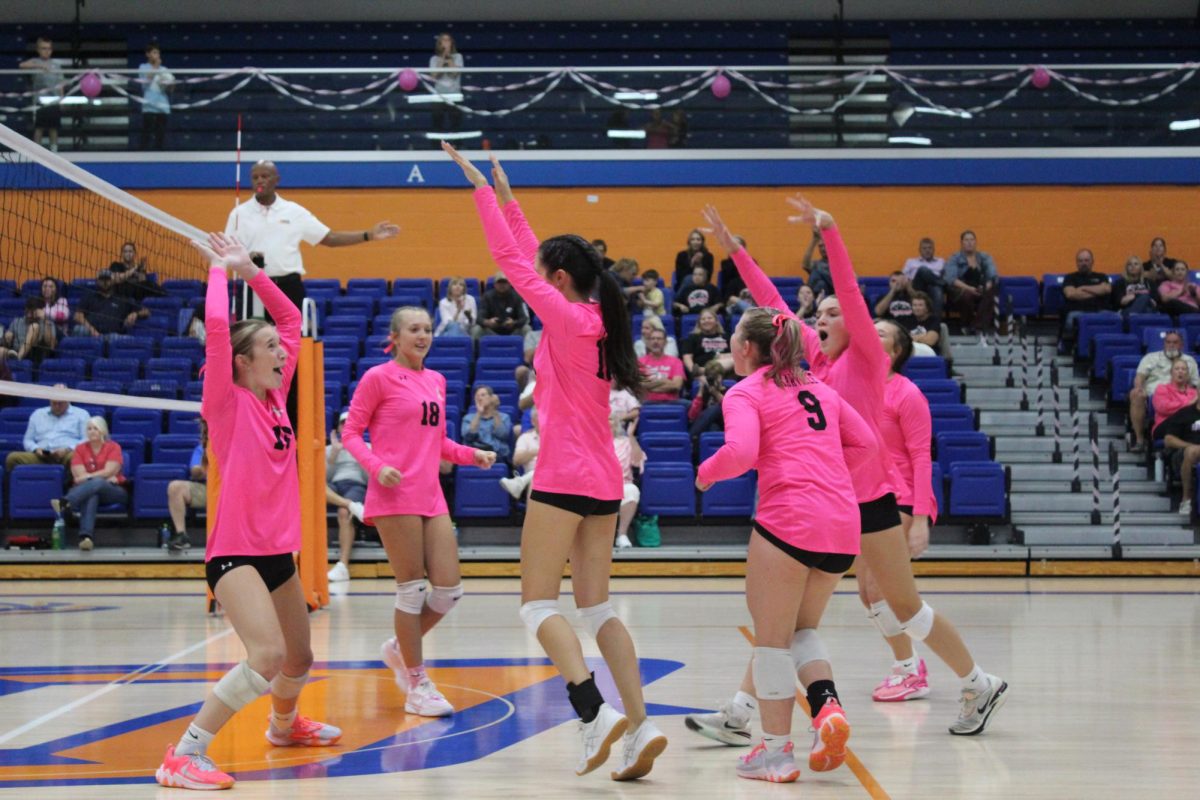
x,y
56,309
249,562
96,477
776,419
457,310
1174,395
696,254
586,344
404,405
844,352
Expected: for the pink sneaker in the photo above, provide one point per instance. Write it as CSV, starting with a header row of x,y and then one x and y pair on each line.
x,y
830,732
305,733
191,772
901,686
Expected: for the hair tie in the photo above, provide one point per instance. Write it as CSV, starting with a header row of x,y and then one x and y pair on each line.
x,y
387,348
777,321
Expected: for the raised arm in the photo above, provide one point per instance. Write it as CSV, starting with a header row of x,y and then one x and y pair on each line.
x,y
218,353
513,214
740,451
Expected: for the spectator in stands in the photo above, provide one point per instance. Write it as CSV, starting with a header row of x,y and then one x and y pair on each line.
x,y
487,427
697,294
679,128
704,414
658,131
195,327
1173,395
631,457
96,477
686,259
651,300
1181,439
625,271
51,435
1159,267
1084,291
1132,293
446,62
806,305
128,261
457,310
623,404
524,373
30,336
927,326
602,248
524,458
705,342
503,311
345,489
651,323
156,107
57,312
925,273
971,277
1178,295
103,312
48,91
897,303
189,493
819,276
733,288
664,373
1153,370
131,281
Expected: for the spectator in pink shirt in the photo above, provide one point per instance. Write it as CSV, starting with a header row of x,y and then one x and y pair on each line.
x,y
56,308
664,374
1171,396
1179,295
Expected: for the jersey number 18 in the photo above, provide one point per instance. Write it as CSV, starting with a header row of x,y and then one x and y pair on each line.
x,y
431,413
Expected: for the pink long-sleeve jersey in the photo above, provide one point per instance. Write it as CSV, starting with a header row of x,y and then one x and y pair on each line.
x,y
907,430
801,439
858,374
258,511
571,395
405,410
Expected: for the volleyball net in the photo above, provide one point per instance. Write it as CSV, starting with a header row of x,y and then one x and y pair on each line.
x,y
101,300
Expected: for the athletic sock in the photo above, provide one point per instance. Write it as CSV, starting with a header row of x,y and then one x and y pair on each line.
x,y
775,743
585,699
195,741
908,666
975,680
416,675
282,723
819,693
743,707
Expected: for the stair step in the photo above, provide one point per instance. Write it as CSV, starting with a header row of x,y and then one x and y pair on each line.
x,y
1043,487
1040,471
1137,520
987,372
1010,443
1135,502
1038,535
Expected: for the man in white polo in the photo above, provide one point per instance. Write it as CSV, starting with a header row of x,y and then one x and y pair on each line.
x,y
272,229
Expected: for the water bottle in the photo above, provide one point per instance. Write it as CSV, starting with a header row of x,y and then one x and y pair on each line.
x,y
56,534
164,534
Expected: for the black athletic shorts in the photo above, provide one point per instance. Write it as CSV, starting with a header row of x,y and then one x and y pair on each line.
x,y
579,504
48,117
905,510
274,570
879,514
833,563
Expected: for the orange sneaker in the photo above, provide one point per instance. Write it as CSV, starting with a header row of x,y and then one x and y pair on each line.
x,y
305,733
830,732
191,772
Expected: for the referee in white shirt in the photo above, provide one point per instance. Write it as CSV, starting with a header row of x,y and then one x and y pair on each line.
x,y
273,228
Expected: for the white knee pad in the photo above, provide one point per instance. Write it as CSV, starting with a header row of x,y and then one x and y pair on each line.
x,y
774,674
286,686
536,612
240,686
921,624
594,617
807,647
884,618
443,598
410,596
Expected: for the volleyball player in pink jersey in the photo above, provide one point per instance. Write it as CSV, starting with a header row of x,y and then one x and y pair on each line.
x,y
403,404
248,561
586,345
800,436
844,351
907,431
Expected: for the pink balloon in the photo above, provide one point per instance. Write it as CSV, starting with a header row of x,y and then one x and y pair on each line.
x,y
90,85
721,86
1041,78
408,79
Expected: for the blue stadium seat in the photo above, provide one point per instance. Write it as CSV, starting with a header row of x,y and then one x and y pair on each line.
x,y
1152,337
710,442
452,368
978,490
68,371
1091,325
173,448
183,422
183,347
372,287
668,490
1025,294
150,489
502,347
133,451
31,487
185,289
359,305
116,370
938,487
138,348
161,388
85,347
874,287
322,287
193,391
355,326
505,390
10,444
366,362
22,370
169,369
663,446
921,368
460,346
14,420
422,287
956,446
381,324
731,498
477,492
109,387
168,305
1107,345
687,323
456,394
146,421
1140,322
337,369
347,347
1052,296
489,369
940,391
1121,373
662,417
952,417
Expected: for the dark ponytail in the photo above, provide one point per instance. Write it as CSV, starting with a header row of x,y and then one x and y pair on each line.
x,y
904,342
580,260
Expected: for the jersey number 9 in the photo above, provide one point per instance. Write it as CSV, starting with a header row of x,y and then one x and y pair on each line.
x,y
816,417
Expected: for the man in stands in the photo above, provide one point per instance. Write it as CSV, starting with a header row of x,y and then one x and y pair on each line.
x,y
897,303
131,281
48,91
925,274
664,374
104,312
52,435
1181,436
1152,370
1084,291
503,311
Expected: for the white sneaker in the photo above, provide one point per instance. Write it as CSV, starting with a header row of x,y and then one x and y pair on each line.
x,y
1185,508
978,707
339,573
623,542
599,736
641,748
514,486
721,726
356,509
390,651
425,700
